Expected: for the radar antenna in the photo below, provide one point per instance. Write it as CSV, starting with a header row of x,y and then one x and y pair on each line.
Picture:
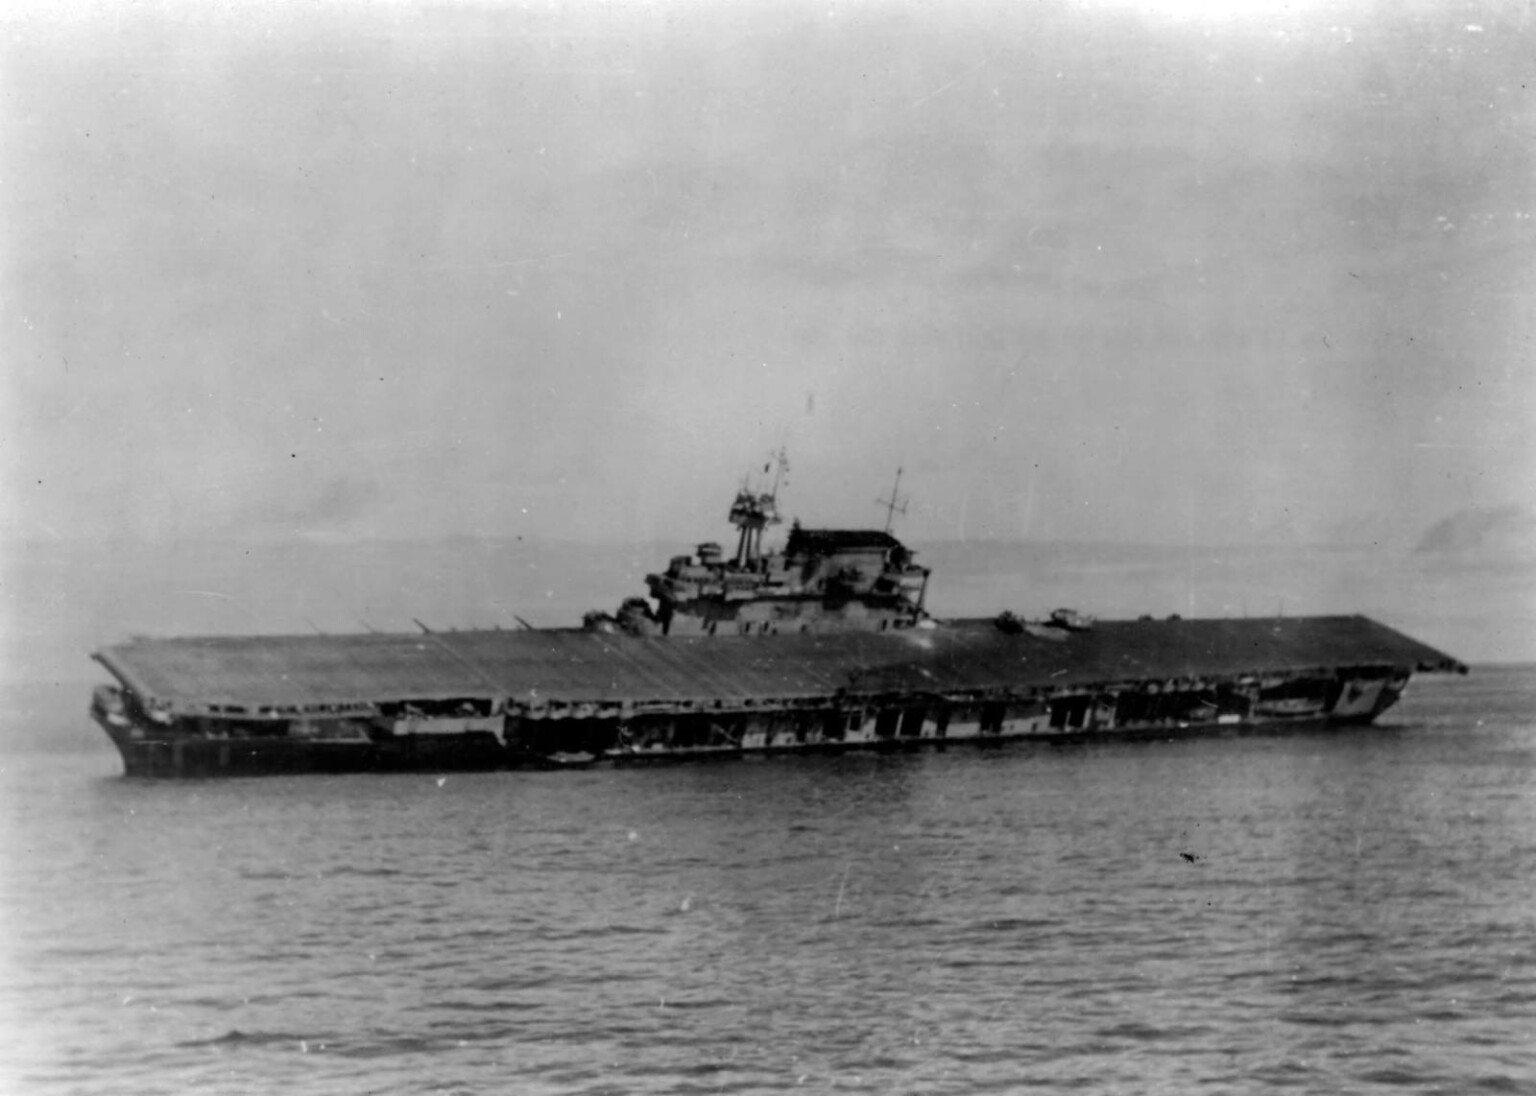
x,y
895,504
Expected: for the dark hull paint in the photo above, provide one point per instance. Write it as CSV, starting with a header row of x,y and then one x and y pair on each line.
x,y
480,701
192,758
279,757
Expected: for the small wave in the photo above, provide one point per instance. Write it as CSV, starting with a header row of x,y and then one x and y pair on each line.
x,y
1014,924
367,873
685,1005
1317,1019
451,1006
1442,1015
625,930
1395,1077
992,962
400,1044
909,922
542,979
235,1038
1142,1033
596,932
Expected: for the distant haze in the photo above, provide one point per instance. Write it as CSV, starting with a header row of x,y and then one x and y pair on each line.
x,y
1096,272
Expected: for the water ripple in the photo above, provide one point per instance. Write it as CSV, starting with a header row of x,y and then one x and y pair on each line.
x,y
1358,916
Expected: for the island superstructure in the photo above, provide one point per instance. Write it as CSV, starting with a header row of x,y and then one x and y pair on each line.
x,y
825,644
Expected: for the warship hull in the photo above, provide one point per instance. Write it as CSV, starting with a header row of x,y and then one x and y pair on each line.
x,y
477,701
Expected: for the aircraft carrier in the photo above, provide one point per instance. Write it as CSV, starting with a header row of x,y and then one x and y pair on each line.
x,y
826,644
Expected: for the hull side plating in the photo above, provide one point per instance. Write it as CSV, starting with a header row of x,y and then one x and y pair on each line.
x,y
155,744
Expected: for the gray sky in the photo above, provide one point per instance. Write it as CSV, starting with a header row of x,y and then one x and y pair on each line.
x,y
1084,270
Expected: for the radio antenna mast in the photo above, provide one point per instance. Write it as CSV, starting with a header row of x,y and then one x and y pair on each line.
x,y
895,504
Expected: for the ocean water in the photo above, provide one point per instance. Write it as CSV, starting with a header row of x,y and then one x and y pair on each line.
x,y
1312,912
